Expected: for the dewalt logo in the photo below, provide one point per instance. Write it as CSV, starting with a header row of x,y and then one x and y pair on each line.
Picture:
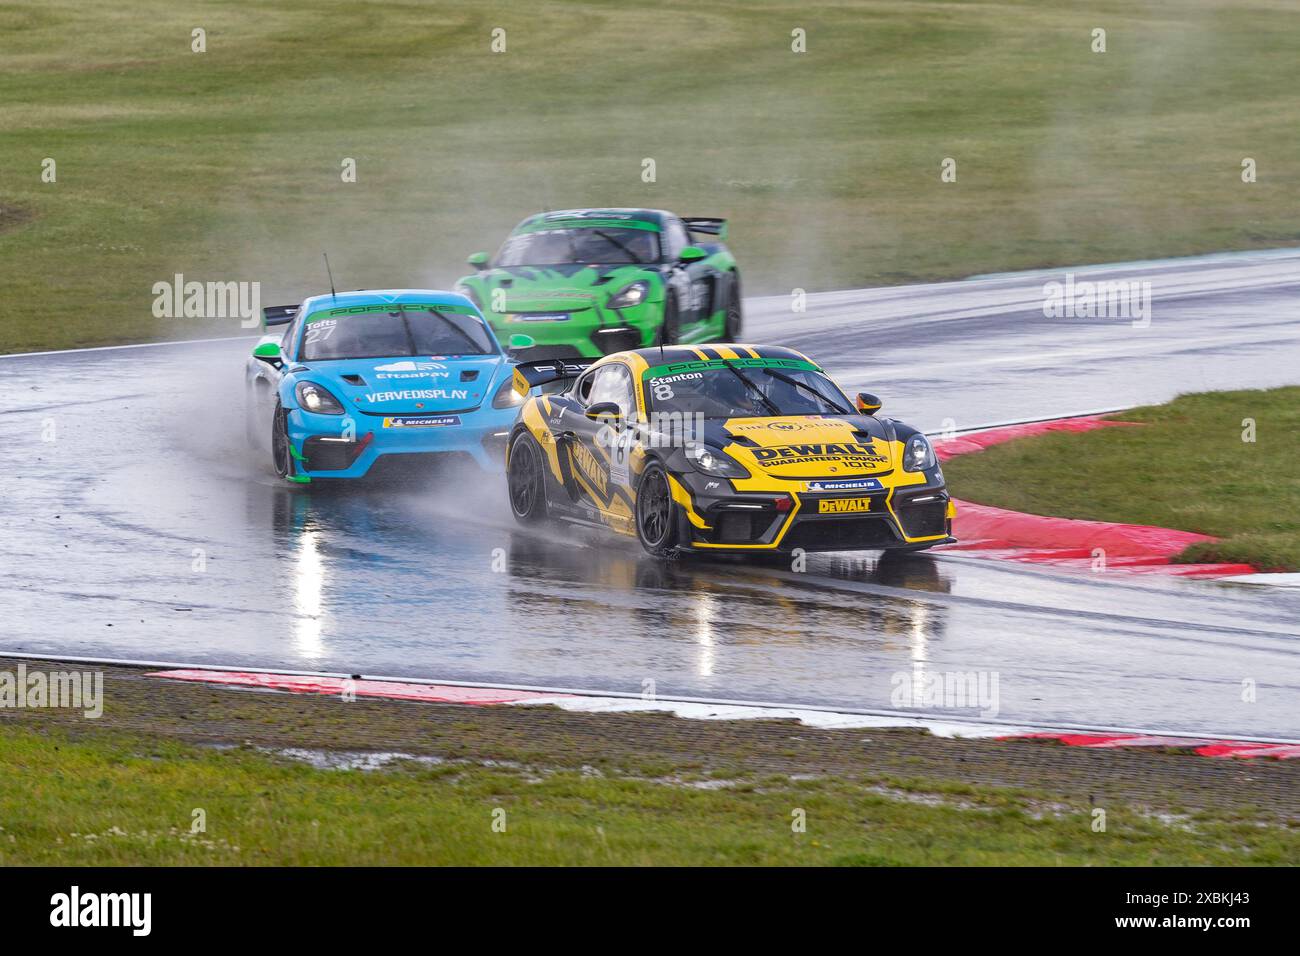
x,y
851,453
590,466
843,505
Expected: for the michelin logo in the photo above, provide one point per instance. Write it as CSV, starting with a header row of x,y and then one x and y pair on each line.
x,y
863,484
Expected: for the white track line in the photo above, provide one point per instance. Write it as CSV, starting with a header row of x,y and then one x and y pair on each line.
x,y
1277,580
764,709
136,345
1031,421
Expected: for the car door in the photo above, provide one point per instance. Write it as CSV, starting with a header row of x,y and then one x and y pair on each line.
x,y
599,451
690,280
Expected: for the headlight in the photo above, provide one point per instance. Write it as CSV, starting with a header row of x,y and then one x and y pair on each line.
x,y
918,454
506,396
316,399
630,295
712,461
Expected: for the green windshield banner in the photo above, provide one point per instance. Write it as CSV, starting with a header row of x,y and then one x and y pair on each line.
x,y
588,224
702,365
391,307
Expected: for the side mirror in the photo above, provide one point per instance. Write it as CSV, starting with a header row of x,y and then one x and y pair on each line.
x,y
604,410
867,403
692,254
479,261
269,353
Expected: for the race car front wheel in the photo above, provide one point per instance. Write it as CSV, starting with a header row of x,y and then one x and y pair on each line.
x,y
525,480
656,515
281,459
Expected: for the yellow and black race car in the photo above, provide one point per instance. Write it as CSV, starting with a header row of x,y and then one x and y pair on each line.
x,y
721,448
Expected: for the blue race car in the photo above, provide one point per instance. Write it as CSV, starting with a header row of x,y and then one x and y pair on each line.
x,y
361,377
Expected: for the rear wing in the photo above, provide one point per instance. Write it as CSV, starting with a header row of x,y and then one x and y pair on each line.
x,y
529,375
278,314
706,226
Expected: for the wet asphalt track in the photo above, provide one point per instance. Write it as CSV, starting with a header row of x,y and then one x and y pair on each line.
x,y
99,531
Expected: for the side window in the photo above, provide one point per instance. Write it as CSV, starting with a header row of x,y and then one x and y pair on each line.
x,y
613,383
676,239
291,334
582,389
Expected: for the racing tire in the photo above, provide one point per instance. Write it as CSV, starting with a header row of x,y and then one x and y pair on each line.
x,y
657,527
525,480
670,332
733,323
281,458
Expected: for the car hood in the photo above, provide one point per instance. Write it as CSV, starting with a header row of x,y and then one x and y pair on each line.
x,y
807,446
564,288
409,384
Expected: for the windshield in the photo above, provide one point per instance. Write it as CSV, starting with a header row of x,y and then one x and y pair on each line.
x,y
743,388
386,331
606,245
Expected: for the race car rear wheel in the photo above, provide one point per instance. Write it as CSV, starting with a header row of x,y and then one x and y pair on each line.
x,y
525,480
656,515
670,331
281,459
732,327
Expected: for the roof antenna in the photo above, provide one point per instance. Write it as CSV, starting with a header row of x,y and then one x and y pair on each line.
x,y
331,275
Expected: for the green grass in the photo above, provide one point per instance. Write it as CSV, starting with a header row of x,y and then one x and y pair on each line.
x,y
1188,467
225,165
116,799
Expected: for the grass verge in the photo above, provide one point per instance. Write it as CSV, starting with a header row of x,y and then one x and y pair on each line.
x,y
1216,463
226,164
593,789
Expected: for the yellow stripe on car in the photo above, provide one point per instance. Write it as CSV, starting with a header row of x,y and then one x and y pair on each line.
x,y
683,498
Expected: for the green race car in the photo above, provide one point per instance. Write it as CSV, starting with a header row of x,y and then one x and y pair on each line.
x,y
591,282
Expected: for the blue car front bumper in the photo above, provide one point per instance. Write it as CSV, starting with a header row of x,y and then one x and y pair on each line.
x,y
333,446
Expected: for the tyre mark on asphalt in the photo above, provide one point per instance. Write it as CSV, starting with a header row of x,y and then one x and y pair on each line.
x,y
89,401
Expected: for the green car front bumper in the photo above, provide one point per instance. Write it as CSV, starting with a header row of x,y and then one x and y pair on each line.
x,y
589,332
